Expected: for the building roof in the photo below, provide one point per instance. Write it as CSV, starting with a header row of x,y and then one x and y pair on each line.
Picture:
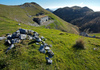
x,y
41,16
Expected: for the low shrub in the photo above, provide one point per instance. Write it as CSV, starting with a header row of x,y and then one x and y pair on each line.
x,y
79,44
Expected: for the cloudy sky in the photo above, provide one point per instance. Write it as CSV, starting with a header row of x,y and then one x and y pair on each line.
x,y
53,4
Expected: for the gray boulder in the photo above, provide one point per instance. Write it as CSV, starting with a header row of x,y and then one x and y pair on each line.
x,y
15,41
12,45
8,42
18,31
48,60
35,34
42,37
22,36
33,38
45,44
50,54
2,38
41,49
47,48
7,34
37,43
38,39
30,37
23,31
9,37
30,32
15,35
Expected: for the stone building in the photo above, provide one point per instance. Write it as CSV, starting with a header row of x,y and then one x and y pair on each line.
x,y
41,19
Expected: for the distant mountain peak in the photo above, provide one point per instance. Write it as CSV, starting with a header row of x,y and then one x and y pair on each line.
x,y
29,4
87,8
76,7
83,17
49,10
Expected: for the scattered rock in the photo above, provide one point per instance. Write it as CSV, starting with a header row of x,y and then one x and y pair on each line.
x,y
36,34
37,43
9,37
23,31
47,48
30,37
19,24
15,41
12,45
49,61
38,39
42,37
30,32
7,34
94,48
8,42
16,34
50,54
41,49
23,34
2,38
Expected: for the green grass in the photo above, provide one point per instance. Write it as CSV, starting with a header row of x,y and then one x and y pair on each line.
x,y
27,57
96,34
62,25
21,15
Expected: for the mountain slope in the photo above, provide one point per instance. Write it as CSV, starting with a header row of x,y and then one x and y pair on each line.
x,y
49,10
89,22
26,12
26,56
84,18
71,13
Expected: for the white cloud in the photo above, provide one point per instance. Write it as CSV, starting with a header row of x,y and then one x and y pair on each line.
x,y
54,7
95,8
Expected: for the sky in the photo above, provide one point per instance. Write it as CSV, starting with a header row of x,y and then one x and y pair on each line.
x,y
54,4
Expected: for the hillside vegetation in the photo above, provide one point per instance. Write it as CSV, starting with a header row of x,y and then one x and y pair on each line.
x,y
26,12
26,56
83,17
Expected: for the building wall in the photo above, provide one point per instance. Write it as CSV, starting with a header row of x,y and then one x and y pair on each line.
x,y
43,19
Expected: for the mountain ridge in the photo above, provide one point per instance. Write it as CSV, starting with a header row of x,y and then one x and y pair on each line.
x,y
79,16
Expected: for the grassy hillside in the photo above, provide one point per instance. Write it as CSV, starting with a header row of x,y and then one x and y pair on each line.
x,y
26,12
26,56
96,34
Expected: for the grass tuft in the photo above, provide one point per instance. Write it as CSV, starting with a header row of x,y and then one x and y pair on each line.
x,y
80,44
